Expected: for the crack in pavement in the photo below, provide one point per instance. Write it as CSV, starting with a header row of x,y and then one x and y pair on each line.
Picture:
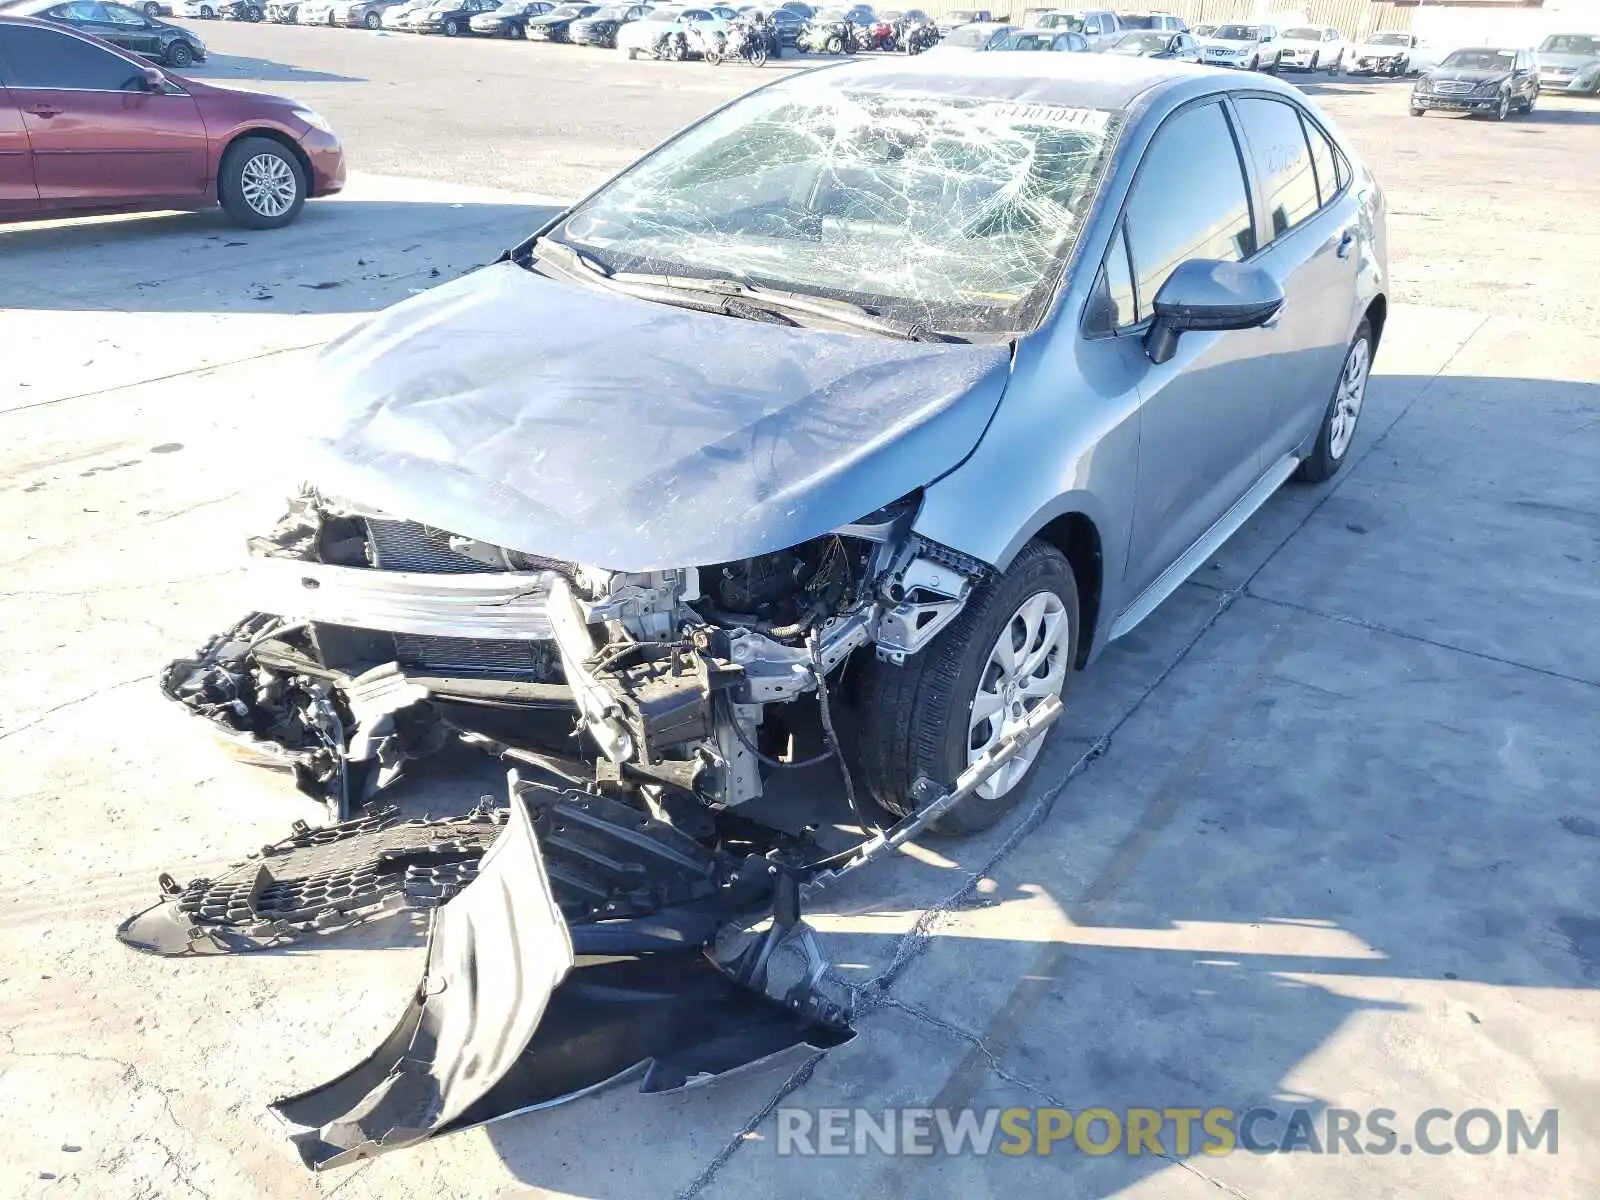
x,y
707,1173
1390,630
65,704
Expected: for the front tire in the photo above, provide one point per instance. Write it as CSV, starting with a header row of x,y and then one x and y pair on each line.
x,y
451,29
1504,109
372,21
1417,112
1014,644
151,11
262,183
1344,411
1532,100
179,55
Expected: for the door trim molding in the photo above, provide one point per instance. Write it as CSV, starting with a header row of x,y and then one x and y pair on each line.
x,y
1207,544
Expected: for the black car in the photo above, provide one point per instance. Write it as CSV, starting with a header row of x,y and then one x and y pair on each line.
x,y
600,28
510,19
454,20
556,24
787,21
119,25
1482,79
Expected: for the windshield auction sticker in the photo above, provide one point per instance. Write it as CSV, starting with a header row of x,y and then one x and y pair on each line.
x,y
1094,119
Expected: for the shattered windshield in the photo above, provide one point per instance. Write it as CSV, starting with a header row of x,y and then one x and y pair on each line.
x,y
1302,34
1237,33
957,212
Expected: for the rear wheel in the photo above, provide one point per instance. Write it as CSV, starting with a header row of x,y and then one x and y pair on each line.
x,y
151,10
180,54
1012,646
262,184
834,45
1344,410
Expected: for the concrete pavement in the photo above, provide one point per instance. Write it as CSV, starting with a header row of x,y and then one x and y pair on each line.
x,y
1321,832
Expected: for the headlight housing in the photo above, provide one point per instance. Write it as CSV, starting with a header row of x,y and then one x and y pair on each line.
x,y
1490,88
1423,87
314,119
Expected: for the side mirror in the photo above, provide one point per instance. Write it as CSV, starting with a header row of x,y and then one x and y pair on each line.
x,y
155,79
1206,295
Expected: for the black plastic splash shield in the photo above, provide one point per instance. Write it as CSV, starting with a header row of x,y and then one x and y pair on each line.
x,y
507,1020
495,955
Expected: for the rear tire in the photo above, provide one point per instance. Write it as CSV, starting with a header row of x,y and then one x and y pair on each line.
x,y
262,184
916,719
1338,430
834,45
151,11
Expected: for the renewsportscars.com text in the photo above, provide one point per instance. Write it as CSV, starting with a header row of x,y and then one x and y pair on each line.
x,y
1163,1131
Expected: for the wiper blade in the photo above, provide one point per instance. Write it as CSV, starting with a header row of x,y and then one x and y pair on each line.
x,y
731,296
830,308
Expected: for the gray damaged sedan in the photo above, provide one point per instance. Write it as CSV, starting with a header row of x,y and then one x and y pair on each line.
x,y
835,435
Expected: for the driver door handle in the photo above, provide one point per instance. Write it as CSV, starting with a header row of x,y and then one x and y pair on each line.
x,y
45,111
1345,242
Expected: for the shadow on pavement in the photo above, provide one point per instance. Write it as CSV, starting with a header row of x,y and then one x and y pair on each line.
x,y
338,256
227,68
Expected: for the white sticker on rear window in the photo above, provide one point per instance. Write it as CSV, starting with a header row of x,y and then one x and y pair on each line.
x,y
1052,114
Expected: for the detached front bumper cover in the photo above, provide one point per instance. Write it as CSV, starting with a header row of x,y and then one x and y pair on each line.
x,y
508,1018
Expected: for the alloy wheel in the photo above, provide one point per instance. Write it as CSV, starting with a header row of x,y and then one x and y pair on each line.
x,y
268,185
1348,399
1027,663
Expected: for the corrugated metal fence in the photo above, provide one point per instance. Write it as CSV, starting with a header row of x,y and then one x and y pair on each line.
x,y
1353,17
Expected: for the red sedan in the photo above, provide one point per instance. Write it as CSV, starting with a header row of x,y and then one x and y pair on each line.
x,y
88,128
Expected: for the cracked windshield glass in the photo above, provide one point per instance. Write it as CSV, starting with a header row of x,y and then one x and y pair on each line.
x,y
953,212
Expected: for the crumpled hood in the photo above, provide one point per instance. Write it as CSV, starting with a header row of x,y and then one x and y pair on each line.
x,y
581,425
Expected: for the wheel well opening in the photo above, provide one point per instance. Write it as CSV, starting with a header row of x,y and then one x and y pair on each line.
x,y
272,135
1076,537
1377,313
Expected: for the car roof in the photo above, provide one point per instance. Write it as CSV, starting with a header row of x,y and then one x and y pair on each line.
x,y
1083,80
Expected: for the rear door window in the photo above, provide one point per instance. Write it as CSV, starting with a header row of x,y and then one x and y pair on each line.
x,y
1329,167
1189,200
45,58
1282,159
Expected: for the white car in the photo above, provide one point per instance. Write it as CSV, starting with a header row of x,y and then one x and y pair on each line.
x,y
1243,47
198,10
698,26
315,12
1311,48
1390,52
399,17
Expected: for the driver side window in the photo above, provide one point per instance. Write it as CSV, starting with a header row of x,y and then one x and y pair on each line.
x,y
1189,200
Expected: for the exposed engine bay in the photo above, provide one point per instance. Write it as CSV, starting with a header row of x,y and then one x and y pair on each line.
x,y
627,885
389,636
